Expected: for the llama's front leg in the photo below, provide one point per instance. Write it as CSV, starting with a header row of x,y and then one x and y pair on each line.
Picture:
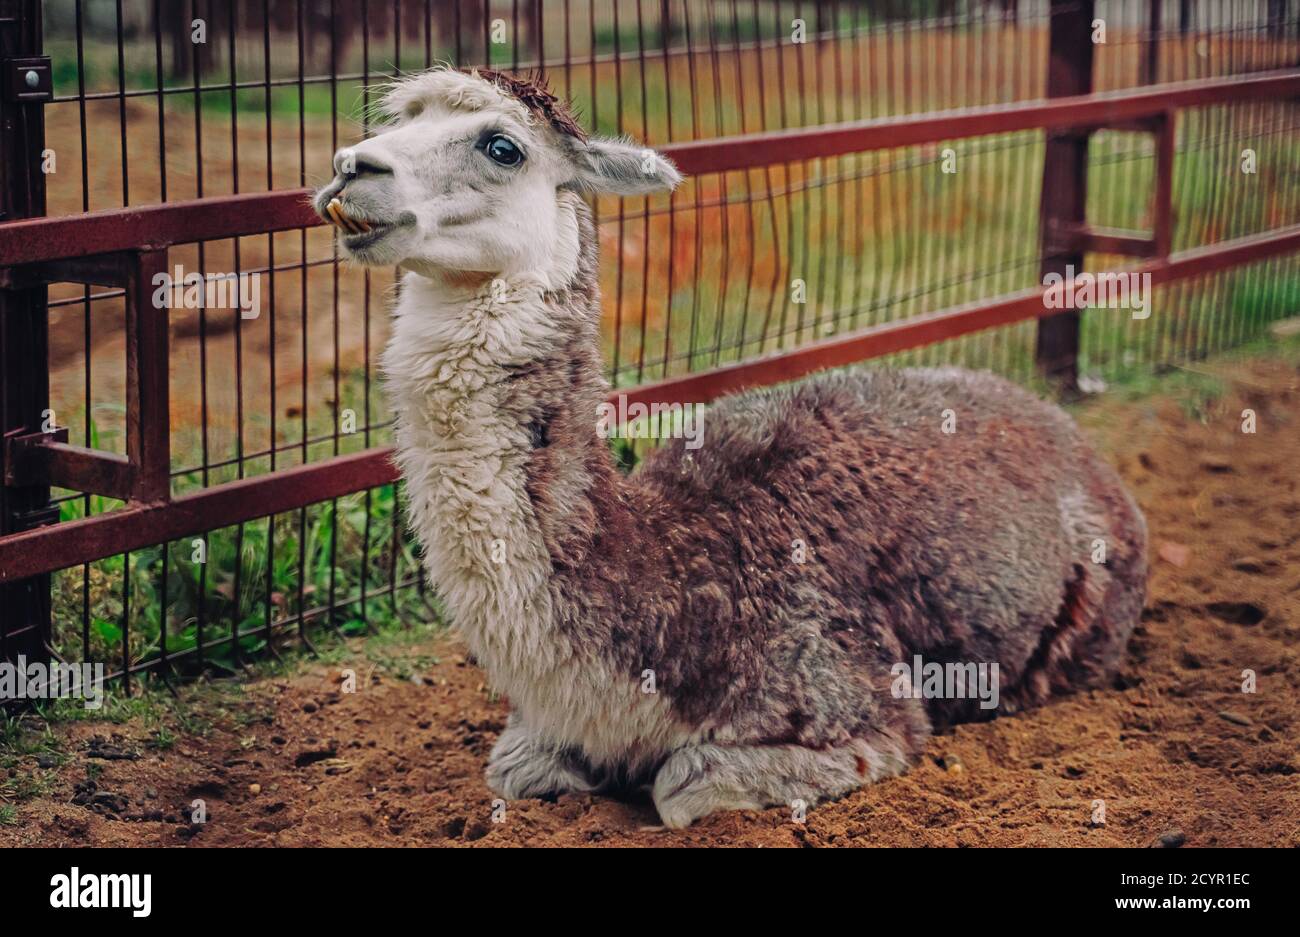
x,y
700,779
522,765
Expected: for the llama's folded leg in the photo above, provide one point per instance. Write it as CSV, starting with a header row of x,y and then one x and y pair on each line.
x,y
700,779
523,766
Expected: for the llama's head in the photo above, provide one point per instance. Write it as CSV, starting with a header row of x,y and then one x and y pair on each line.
x,y
476,173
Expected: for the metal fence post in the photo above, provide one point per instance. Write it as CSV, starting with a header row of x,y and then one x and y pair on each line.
x,y
1063,204
24,361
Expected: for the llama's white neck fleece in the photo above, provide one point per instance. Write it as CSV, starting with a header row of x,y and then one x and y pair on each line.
x,y
463,447
463,454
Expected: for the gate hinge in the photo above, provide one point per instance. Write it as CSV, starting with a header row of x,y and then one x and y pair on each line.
x,y
28,80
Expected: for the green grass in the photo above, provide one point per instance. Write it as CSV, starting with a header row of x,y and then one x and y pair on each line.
x,y
22,739
199,707
227,596
118,607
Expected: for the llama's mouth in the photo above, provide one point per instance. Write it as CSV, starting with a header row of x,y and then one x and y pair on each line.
x,y
350,224
376,231
358,232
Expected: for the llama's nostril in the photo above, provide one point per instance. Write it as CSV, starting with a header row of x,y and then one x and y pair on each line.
x,y
369,166
344,163
348,164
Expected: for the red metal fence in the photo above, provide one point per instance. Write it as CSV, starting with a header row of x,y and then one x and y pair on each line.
x,y
186,487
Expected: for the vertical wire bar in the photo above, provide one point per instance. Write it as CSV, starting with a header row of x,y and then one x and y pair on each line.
x,y
273,435
1215,129
126,623
894,106
645,216
201,610
746,177
1242,324
239,339
365,131
305,428
622,207
302,312
697,216
393,532
665,42
944,83
807,168
86,324
951,273
719,129
164,665
338,402
774,288
121,104
860,182
877,90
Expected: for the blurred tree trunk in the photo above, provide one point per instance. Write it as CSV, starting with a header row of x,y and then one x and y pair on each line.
x,y
1276,18
458,26
175,19
535,32
284,17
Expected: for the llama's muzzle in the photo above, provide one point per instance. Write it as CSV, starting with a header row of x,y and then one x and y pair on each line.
x,y
345,221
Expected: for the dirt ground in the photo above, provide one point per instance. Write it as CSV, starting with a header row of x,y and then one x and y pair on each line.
x,y
1174,750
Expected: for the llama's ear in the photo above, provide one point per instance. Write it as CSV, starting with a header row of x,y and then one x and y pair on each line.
x,y
621,167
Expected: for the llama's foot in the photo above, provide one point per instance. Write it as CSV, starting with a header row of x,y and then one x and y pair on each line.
x,y
701,779
522,766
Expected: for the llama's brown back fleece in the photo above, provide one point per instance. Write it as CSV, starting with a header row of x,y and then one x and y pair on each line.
x,y
1173,746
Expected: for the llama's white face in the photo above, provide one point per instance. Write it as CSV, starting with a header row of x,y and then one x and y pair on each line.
x,y
466,179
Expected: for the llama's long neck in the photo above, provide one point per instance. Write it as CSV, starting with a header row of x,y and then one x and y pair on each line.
x,y
496,388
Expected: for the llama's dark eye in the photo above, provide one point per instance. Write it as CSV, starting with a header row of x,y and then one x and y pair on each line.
x,y
503,150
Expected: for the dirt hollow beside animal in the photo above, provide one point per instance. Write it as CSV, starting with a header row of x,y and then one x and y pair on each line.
x,y
1173,750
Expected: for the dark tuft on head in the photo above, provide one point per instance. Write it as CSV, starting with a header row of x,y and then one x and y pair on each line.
x,y
532,92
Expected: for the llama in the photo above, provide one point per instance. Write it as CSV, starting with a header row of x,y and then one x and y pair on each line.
x,y
723,627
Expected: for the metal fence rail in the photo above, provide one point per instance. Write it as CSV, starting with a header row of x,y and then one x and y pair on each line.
x,y
185,488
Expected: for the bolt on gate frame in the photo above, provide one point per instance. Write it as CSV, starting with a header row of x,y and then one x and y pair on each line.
x,y
123,250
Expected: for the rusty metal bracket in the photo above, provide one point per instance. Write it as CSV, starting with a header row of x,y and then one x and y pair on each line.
x,y
46,458
1062,237
110,269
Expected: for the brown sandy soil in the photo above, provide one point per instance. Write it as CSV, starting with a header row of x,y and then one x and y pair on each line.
x,y
1174,747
